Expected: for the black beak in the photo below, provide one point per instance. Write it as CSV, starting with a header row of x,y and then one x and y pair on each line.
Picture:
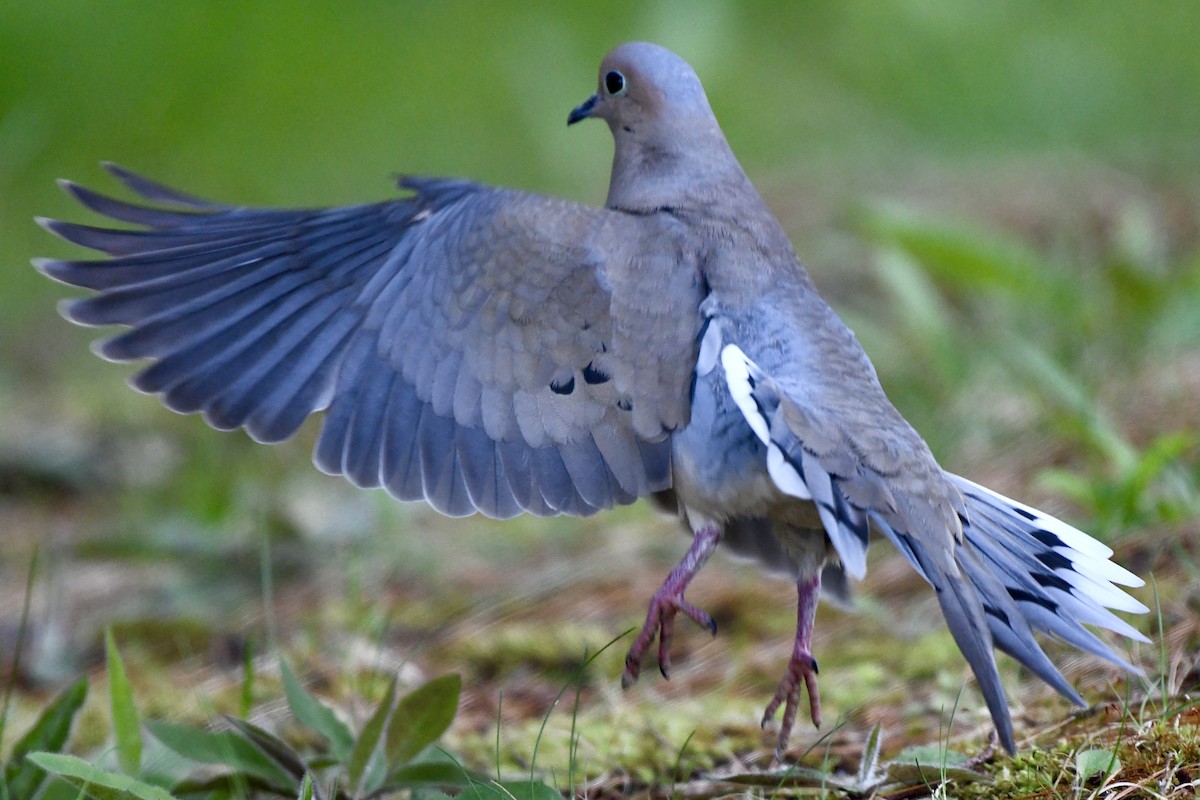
x,y
584,110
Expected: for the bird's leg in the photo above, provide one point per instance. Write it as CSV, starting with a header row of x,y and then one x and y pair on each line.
x,y
802,668
667,602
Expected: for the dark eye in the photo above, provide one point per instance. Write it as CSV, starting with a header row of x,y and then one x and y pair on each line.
x,y
614,82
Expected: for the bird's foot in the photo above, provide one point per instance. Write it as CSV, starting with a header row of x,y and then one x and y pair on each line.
x,y
801,672
660,620
666,603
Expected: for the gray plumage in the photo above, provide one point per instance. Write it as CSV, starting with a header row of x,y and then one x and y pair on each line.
x,y
498,351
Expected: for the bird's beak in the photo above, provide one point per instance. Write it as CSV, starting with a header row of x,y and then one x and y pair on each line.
x,y
583,110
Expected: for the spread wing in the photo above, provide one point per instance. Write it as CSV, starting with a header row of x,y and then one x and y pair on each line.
x,y
483,349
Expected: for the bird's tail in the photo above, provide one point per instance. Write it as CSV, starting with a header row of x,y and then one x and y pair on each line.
x,y
1024,572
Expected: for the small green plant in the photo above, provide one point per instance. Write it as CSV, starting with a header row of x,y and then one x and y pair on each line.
x,y
24,777
395,751
1095,764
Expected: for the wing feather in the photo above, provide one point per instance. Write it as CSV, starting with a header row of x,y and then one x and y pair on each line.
x,y
472,346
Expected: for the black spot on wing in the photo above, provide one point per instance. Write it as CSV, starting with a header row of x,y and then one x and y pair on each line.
x,y
593,376
624,403
563,388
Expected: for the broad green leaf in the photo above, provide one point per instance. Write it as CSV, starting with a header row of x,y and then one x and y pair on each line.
x,y
220,747
444,774
368,738
126,728
915,773
783,778
219,787
59,790
510,790
95,782
278,750
49,732
924,763
931,755
313,714
1090,763
421,717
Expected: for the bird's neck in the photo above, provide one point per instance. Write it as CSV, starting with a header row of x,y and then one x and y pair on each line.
x,y
651,173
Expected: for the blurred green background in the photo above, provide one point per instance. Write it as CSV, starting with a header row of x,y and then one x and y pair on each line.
x,y
1001,198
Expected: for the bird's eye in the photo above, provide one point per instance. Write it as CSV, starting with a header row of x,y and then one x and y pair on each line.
x,y
614,82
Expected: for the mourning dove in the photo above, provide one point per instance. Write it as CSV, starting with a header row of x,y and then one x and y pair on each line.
x,y
496,351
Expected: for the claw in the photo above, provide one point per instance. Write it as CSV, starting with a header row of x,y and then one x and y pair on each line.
x,y
666,603
802,671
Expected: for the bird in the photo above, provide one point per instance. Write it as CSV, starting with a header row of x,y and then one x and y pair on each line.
x,y
495,351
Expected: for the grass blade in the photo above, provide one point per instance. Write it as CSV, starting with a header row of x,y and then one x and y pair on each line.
x,y
306,788
96,782
126,727
51,731
314,714
22,629
247,696
420,718
274,747
220,747
510,790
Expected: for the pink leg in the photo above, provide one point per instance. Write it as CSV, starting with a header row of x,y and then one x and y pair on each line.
x,y
802,668
666,603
